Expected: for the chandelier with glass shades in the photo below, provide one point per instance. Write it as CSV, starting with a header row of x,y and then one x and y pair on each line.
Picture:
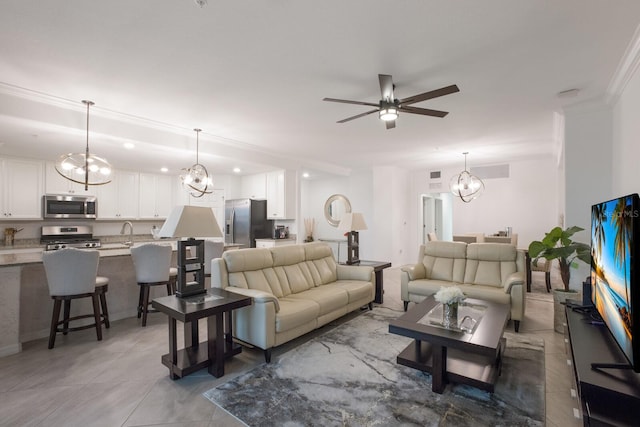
x,y
84,168
466,186
196,180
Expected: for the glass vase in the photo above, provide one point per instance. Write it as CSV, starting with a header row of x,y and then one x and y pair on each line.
x,y
450,315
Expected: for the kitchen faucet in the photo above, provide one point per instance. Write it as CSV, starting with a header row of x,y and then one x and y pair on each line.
x,y
124,226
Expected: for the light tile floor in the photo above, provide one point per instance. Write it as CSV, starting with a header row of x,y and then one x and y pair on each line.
x,y
121,382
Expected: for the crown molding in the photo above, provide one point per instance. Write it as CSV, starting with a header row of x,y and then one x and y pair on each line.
x,y
626,69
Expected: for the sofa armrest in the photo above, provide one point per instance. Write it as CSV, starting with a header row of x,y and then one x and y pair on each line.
x,y
354,272
514,279
415,271
259,297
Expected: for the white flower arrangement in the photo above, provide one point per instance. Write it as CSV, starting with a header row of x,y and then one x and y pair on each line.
x,y
449,295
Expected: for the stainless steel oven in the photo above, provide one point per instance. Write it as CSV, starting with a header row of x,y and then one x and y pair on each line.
x,y
63,206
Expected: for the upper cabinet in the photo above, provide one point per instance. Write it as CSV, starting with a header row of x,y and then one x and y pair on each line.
x,y
54,183
21,189
119,198
281,195
253,187
156,196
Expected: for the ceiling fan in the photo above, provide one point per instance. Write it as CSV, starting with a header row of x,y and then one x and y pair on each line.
x,y
389,106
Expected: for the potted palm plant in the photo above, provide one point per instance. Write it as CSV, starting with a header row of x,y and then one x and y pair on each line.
x,y
557,244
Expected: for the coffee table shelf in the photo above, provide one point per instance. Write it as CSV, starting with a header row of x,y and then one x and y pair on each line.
x,y
464,368
454,356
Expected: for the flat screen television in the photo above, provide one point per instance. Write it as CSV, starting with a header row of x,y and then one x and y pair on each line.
x,y
615,263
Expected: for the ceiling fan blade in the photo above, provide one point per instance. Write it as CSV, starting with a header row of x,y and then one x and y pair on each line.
x,y
390,124
386,87
357,117
430,95
423,111
345,101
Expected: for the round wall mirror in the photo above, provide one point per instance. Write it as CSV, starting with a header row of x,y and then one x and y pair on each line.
x,y
335,207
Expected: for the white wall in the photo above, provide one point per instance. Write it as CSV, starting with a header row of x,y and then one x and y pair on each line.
x,y
626,140
526,202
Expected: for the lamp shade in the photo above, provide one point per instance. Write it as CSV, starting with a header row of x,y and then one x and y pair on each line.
x,y
352,221
191,221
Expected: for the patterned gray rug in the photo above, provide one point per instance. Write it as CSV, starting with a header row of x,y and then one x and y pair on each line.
x,y
348,376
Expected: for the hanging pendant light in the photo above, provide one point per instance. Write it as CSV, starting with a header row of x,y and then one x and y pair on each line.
x,y
84,168
465,185
196,179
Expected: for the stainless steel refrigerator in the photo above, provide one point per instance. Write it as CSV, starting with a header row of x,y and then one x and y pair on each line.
x,y
245,221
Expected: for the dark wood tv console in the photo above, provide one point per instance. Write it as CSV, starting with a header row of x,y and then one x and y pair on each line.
x,y
608,397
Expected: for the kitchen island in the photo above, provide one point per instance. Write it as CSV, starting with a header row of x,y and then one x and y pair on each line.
x,y
25,304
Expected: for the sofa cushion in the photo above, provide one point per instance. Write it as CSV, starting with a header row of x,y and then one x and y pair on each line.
x,y
295,312
445,260
328,298
428,287
321,263
490,263
356,289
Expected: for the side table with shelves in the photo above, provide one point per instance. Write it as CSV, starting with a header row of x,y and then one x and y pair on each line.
x,y
216,306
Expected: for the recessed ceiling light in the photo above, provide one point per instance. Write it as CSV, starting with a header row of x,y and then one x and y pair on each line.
x,y
305,175
128,145
164,169
236,170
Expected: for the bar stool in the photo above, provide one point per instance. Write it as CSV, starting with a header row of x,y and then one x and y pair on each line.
x,y
73,274
152,263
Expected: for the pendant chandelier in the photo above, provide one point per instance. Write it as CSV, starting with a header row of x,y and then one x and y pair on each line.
x,y
196,179
84,168
465,185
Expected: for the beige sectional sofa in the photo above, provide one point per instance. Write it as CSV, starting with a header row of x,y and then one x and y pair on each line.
x,y
489,271
295,289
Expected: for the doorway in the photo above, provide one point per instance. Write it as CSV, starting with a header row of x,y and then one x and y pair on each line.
x,y
432,216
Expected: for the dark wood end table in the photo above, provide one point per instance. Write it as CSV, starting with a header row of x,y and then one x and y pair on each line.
x,y
216,306
378,266
467,358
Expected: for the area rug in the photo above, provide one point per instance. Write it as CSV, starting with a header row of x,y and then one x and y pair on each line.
x,y
348,376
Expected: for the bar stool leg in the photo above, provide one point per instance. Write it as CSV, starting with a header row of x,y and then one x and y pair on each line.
x,y
140,299
67,310
96,315
145,304
105,311
54,322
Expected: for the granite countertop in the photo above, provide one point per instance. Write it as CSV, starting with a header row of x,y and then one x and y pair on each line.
x,y
274,240
32,254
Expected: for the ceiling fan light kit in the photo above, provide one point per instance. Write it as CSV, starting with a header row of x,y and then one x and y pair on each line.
x,y
196,179
84,168
389,107
465,185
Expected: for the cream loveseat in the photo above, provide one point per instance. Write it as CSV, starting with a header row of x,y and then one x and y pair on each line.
x,y
489,271
295,289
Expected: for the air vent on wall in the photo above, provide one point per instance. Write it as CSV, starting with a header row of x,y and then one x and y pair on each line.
x,y
489,172
435,175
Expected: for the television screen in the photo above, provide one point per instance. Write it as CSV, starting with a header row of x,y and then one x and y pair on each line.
x,y
614,270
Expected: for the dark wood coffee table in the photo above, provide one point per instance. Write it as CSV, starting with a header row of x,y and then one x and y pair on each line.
x,y
454,356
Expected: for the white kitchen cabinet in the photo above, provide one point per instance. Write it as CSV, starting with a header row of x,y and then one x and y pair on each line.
x,y
272,243
21,189
54,183
156,196
281,192
253,186
119,198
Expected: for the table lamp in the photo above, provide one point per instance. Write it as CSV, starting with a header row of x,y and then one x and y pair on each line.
x,y
353,222
190,222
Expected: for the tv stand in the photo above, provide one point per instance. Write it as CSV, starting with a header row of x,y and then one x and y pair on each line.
x,y
608,397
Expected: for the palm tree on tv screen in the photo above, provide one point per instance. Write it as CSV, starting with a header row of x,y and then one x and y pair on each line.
x,y
621,220
598,217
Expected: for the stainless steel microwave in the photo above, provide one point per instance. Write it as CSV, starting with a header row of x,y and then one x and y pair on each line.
x,y
72,207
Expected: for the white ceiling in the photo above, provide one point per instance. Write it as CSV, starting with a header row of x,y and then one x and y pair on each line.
x,y
252,75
